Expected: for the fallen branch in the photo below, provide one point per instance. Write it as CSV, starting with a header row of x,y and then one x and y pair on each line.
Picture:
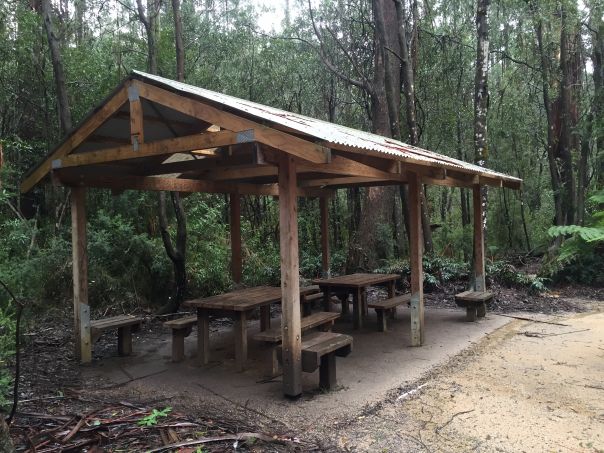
x,y
542,335
121,384
20,306
411,392
522,318
452,418
207,440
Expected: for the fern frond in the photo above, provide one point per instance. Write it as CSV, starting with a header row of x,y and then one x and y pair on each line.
x,y
588,234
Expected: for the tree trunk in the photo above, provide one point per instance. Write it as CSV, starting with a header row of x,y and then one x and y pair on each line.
x,y
57,67
180,50
566,143
481,104
176,254
408,85
597,35
551,136
6,445
150,23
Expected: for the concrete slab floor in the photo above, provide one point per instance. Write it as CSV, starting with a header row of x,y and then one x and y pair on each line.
x,y
379,363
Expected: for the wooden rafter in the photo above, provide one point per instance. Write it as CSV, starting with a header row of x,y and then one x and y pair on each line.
x,y
157,148
293,145
77,137
154,183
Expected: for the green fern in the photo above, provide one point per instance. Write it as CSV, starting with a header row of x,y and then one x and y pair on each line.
x,y
588,234
582,244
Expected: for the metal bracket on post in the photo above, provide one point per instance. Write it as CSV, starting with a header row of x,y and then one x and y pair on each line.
x,y
133,94
135,143
85,334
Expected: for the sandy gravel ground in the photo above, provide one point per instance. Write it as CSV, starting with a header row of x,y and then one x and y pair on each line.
x,y
527,387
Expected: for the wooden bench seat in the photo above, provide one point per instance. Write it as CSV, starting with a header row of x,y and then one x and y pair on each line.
x,y
474,302
181,328
272,337
125,325
310,295
382,306
319,350
308,300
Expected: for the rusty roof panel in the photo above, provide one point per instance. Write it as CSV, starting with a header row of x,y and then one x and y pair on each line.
x,y
325,131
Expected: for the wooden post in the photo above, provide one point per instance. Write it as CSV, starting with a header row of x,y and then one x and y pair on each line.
x,y
479,272
290,278
416,251
235,203
137,134
203,336
81,309
324,208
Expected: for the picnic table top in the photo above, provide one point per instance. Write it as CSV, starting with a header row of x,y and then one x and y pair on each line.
x,y
243,299
358,280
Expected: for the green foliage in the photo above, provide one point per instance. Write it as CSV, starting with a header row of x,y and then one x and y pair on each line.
x,y
506,274
153,418
581,256
7,350
438,270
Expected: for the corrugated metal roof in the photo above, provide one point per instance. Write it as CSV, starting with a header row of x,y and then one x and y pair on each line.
x,y
325,131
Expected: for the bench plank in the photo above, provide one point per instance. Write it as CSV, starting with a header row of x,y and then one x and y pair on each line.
x,y
474,302
125,325
381,306
474,296
319,349
306,323
181,323
387,304
114,322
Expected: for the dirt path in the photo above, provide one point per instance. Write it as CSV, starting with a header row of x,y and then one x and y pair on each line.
x,y
528,387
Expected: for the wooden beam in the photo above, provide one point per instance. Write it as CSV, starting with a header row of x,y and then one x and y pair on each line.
x,y
235,230
154,183
342,166
191,126
157,148
81,309
181,166
290,283
416,252
280,140
451,181
242,172
479,225
349,181
137,131
96,138
324,208
88,126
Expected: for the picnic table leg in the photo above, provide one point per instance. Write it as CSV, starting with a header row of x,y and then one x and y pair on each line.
x,y
240,340
381,320
265,317
327,371
481,310
326,297
344,301
203,336
365,308
391,287
124,340
357,308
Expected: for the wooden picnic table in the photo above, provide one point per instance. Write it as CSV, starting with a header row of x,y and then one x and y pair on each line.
x,y
357,285
237,304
